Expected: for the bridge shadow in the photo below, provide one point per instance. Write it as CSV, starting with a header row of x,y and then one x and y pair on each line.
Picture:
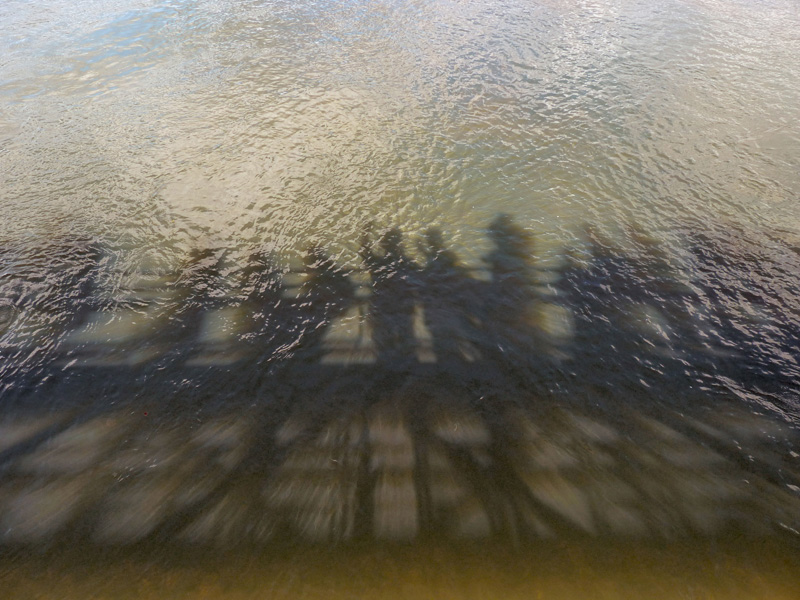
x,y
398,399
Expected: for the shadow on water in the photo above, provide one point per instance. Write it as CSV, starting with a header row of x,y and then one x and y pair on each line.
x,y
450,300
228,406
391,308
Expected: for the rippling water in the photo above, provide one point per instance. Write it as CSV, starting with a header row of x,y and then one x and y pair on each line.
x,y
237,122
394,271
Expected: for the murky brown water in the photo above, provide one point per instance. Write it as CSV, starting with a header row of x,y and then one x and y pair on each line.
x,y
475,299
552,571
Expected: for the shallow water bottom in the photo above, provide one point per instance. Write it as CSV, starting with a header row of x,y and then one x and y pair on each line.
x,y
731,568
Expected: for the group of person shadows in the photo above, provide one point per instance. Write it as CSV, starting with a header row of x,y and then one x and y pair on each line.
x,y
624,313
462,314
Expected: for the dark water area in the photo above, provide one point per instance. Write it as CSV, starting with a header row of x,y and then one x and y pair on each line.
x,y
724,322
401,400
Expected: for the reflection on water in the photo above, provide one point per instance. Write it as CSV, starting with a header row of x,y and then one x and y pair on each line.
x,y
495,282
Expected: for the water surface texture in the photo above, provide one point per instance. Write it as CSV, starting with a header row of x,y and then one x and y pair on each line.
x,y
335,291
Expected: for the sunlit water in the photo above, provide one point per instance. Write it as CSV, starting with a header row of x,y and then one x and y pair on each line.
x,y
281,277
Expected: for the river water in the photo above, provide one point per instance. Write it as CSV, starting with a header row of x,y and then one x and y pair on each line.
x,y
400,277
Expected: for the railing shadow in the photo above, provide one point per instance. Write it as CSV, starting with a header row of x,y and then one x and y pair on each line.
x,y
409,397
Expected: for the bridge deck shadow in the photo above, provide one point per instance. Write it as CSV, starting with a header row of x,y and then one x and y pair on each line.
x,y
355,454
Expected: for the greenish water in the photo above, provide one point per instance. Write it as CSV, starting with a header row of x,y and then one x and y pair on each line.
x,y
468,299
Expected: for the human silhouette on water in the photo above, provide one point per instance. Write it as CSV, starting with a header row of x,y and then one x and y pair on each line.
x,y
197,290
509,294
449,302
394,289
325,295
261,294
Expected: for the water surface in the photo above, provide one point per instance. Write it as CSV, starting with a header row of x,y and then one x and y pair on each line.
x,y
401,275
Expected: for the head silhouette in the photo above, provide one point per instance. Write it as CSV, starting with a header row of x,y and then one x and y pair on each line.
x,y
433,237
391,242
505,233
511,241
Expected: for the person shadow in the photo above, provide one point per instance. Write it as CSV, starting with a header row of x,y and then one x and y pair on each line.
x,y
390,313
509,297
325,295
448,295
197,290
261,295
